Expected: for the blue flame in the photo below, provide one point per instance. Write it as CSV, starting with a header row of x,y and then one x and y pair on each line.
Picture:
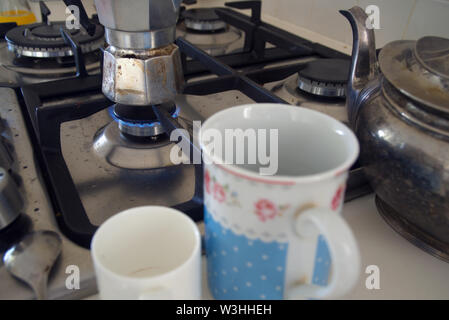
x,y
175,115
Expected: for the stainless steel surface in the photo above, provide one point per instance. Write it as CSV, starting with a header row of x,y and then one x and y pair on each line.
x,y
403,130
433,54
142,77
230,40
140,40
106,188
35,52
412,233
138,15
111,181
39,212
321,88
142,66
32,259
288,90
205,25
400,66
12,74
5,152
364,70
405,161
118,151
11,202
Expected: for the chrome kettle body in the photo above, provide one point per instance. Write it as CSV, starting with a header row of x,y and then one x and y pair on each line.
x,y
398,106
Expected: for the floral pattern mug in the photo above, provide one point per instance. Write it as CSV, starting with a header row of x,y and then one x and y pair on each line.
x,y
280,236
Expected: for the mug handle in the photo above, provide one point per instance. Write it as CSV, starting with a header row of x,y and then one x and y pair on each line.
x,y
343,250
157,293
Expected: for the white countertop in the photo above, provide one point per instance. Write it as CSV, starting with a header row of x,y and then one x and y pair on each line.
x,y
406,272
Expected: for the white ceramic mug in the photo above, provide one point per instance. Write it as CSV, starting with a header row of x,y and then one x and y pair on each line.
x,y
148,253
281,236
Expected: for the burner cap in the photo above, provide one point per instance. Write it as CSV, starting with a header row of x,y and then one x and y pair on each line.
x,y
50,31
203,19
139,121
325,77
44,41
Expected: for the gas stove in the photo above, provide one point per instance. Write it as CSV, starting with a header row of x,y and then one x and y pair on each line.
x,y
204,28
319,85
91,158
38,52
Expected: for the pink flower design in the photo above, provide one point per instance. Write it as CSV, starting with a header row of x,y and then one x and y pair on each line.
x,y
265,210
207,181
219,193
336,200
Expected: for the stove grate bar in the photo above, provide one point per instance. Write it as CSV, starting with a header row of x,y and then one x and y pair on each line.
x,y
229,79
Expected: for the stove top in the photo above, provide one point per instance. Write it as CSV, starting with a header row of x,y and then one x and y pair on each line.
x,y
110,158
97,160
203,20
206,30
17,71
325,78
41,40
320,91
40,52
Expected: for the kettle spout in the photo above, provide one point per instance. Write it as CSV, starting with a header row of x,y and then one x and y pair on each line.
x,y
364,67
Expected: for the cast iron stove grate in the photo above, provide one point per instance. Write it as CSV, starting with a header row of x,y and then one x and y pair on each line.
x,y
44,40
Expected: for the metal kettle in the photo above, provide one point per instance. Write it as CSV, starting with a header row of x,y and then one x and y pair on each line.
x,y
398,105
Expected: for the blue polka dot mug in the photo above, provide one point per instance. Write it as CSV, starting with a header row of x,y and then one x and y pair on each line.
x,y
274,184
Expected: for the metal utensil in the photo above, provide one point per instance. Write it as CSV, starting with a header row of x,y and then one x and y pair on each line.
x,y
32,258
398,105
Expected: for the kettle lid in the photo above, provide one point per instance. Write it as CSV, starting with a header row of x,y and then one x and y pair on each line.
x,y
419,70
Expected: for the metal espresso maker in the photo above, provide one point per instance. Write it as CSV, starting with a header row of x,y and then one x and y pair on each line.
x,y
142,66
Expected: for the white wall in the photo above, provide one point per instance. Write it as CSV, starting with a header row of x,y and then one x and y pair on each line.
x,y
399,19
319,20
57,8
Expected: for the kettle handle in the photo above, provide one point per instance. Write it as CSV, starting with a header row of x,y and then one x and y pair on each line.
x,y
364,66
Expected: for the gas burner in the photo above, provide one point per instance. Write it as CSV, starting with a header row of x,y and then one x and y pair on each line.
x,y
334,106
138,121
214,36
41,40
203,20
325,77
135,139
50,67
